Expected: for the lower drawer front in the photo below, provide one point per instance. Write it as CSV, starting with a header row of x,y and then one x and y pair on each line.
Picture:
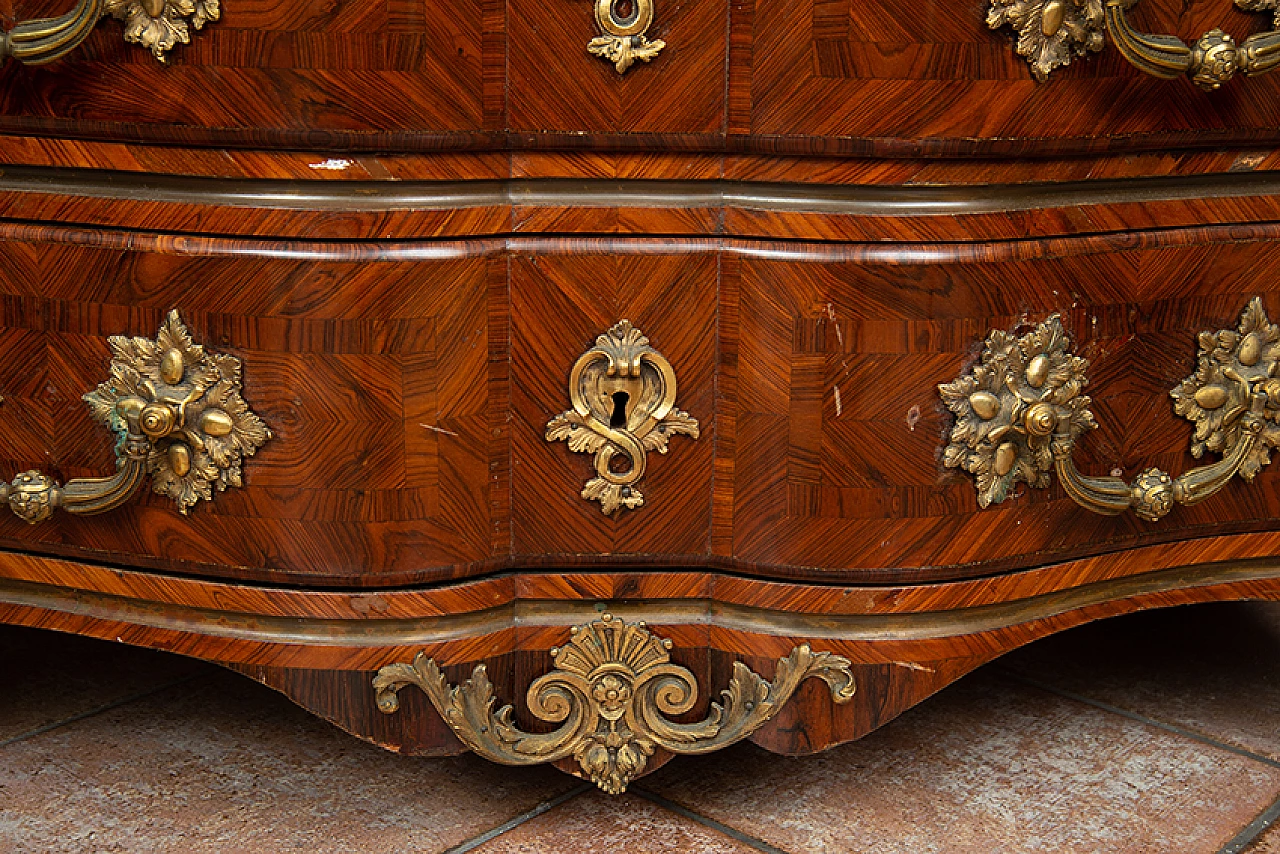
x,y
409,389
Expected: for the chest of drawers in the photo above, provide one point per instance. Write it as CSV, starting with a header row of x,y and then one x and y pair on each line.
x,y
422,357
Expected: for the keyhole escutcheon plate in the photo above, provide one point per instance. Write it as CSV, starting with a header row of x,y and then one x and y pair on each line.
x,y
623,394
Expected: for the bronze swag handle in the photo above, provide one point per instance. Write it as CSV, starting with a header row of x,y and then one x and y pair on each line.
x,y
157,25
1053,32
1020,410
177,414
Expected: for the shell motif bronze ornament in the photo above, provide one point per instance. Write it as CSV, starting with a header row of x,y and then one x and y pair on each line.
x,y
612,692
623,394
177,415
1020,410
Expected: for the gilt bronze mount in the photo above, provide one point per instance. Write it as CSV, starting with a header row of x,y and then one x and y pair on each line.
x,y
612,692
1020,410
177,415
1053,32
157,25
622,39
623,394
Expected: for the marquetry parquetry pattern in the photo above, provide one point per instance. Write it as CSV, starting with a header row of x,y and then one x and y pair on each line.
x,y
839,425
559,305
767,76
372,377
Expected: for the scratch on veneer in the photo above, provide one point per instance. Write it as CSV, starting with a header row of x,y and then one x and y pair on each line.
x,y
438,429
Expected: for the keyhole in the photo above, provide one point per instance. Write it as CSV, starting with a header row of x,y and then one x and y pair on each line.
x,y
623,12
619,416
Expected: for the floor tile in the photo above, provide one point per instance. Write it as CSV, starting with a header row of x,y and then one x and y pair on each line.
x,y
1213,669
222,764
595,821
50,676
989,764
1269,843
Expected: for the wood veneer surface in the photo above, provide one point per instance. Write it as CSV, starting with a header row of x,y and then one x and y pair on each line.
x,y
408,385
891,78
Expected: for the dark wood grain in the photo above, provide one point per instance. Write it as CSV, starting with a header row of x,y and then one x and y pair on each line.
x,y
800,77
409,385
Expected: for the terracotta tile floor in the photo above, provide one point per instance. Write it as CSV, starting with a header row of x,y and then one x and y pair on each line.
x,y
1158,732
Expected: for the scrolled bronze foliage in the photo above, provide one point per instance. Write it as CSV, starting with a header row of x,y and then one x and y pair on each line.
x,y
1051,32
623,394
612,692
1233,367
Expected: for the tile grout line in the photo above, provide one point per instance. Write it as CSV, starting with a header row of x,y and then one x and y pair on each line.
x,y
733,833
1252,830
477,841
106,707
1173,728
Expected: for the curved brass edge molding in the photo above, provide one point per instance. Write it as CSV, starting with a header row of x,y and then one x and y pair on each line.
x,y
177,415
1020,410
382,633
1052,32
623,394
847,199
157,25
612,690
622,40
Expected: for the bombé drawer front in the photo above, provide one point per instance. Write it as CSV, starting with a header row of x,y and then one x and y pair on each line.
x,y
613,379
235,409
948,410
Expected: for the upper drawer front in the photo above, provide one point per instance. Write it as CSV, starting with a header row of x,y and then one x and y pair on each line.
x,y
270,73
909,77
395,75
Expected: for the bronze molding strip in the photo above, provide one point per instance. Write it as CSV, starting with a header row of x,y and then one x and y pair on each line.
x,y
850,200
372,633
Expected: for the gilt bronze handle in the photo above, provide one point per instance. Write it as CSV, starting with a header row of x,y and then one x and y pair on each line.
x,y
157,25
1020,410
1052,32
177,414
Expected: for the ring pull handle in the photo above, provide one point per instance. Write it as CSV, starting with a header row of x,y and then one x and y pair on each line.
x,y
44,40
1210,62
157,25
1053,32
1020,411
177,415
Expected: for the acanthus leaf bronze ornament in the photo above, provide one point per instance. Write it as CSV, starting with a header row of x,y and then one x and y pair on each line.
x,y
612,692
1051,32
177,415
623,24
157,25
1021,408
623,394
